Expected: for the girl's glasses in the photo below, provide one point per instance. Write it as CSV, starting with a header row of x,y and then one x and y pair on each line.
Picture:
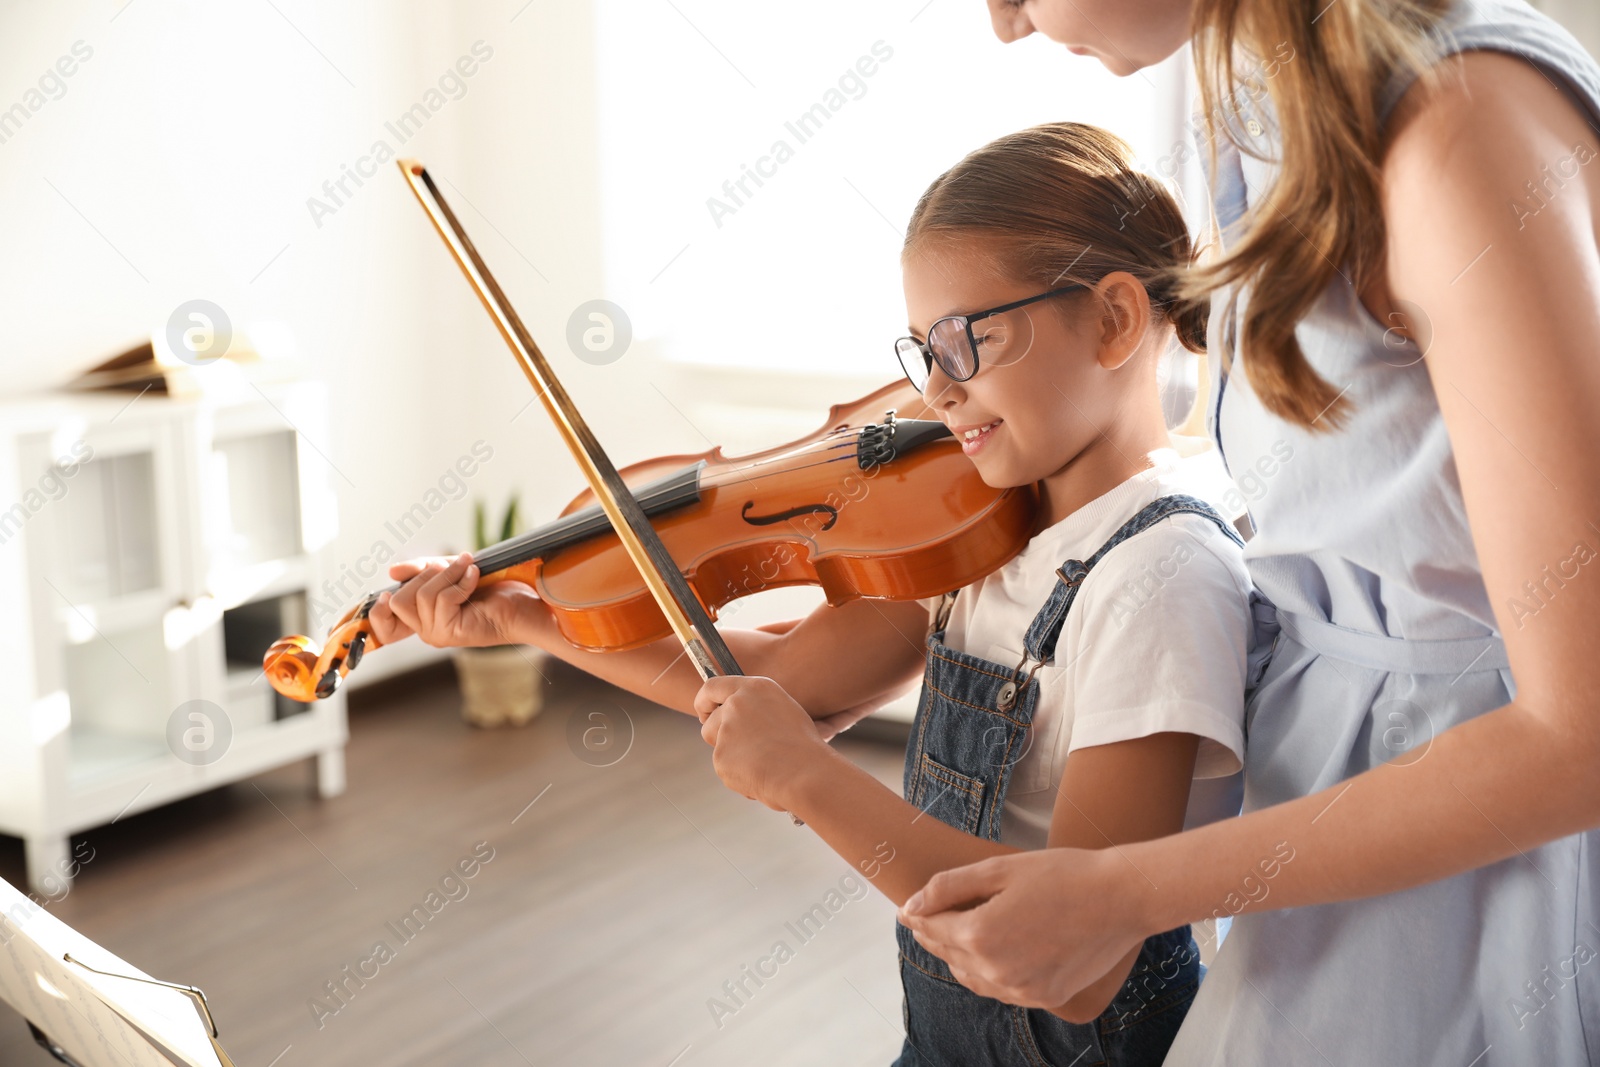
x,y
952,345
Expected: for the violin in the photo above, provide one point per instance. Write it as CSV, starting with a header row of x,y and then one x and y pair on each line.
x,y
878,502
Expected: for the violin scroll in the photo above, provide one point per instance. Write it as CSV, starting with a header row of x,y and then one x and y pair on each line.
x,y
300,669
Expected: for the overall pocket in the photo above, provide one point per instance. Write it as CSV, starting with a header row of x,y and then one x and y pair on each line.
x,y
953,798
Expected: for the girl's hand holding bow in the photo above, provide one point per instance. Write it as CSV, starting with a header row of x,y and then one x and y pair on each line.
x,y
765,742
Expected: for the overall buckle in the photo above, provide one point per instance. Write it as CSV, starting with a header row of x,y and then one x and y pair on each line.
x,y
1007,697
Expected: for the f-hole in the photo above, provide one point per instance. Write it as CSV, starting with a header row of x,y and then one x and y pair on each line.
x,y
804,509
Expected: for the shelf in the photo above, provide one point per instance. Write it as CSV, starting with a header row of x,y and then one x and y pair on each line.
x,y
259,581
254,492
108,530
86,620
103,787
117,683
241,677
96,756
171,543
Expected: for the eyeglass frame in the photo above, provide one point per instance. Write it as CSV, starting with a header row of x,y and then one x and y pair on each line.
x,y
972,342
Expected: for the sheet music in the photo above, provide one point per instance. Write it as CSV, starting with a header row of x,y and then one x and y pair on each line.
x,y
98,1021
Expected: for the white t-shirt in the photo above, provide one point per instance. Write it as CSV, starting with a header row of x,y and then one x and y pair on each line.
x,y
1156,640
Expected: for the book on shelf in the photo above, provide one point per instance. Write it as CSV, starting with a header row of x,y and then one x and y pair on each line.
x,y
147,367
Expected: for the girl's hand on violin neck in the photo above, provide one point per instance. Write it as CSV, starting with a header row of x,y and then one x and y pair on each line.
x,y
436,603
764,740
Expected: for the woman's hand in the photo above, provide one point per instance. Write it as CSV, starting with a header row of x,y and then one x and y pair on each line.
x,y
763,739
1032,928
436,603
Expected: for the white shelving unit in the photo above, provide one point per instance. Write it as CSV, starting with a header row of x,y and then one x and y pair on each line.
x,y
150,551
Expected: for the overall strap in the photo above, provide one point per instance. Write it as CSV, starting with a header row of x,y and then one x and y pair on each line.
x,y
1040,643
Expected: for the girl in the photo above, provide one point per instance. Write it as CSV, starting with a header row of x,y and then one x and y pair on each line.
x,y
1412,281
1070,698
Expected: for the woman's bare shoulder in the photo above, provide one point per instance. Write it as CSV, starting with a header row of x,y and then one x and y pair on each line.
x,y
1485,106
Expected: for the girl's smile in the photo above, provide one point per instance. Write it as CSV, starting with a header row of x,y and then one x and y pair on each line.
x,y
974,435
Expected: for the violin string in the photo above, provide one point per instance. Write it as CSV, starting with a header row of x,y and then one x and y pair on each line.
x,y
715,483
509,554
807,450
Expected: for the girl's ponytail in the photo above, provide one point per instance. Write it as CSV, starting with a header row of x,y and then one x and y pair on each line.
x,y
1191,319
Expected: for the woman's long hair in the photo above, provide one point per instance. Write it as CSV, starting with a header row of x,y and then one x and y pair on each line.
x,y
1322,215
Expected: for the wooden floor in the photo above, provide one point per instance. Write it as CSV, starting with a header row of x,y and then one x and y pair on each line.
x,y
618,901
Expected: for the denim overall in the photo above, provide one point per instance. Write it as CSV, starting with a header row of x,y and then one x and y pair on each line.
x,y
972,726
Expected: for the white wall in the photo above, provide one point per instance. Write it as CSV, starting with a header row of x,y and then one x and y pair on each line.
x,y
801,267
1582,17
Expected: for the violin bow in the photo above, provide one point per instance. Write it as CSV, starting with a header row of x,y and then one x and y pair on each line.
x,y
666,583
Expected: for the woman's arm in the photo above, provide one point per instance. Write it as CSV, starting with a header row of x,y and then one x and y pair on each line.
x,y
1514,307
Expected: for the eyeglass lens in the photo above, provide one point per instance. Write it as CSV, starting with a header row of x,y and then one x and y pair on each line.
x,y
948,342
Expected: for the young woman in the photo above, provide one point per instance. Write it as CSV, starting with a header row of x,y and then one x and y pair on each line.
x,y
1071,697
1411,283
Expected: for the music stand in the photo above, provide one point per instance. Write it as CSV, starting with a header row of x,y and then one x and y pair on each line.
x,y
90,1009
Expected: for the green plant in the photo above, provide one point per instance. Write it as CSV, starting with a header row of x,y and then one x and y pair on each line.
x,y
510,526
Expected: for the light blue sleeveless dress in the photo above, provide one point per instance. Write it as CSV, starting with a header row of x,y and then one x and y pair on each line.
x,y
1384,637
